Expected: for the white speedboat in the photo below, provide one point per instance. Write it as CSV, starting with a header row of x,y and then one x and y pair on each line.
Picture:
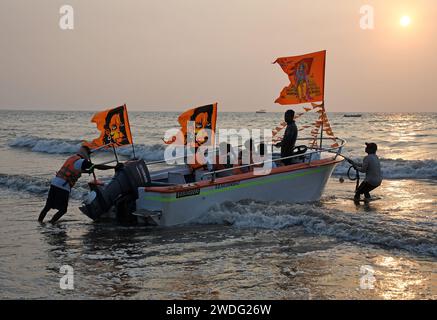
x,y
175,195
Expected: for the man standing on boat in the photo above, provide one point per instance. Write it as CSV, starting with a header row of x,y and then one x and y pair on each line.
x,y
65,179
372,168
290,136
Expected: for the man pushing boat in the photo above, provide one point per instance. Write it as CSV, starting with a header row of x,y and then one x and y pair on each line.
x,y
65,179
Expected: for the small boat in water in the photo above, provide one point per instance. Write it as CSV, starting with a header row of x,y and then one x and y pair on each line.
x,y
353,115
181,203
261,111
175,195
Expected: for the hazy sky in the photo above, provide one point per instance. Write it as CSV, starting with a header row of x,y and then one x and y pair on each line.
x,y
173,54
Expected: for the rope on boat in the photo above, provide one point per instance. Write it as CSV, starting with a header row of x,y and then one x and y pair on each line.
x,y
357,173
356,178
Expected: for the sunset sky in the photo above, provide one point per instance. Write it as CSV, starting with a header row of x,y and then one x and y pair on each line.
x,y
173,54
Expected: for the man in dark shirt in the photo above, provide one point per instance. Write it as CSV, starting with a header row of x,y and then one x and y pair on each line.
x,y
290,136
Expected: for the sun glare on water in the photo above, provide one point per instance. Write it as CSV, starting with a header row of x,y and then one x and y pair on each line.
x,y
405,21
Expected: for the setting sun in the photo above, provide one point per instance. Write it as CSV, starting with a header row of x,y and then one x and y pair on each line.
x,y
405,21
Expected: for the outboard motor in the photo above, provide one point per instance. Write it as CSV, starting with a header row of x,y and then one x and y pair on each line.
x,y
121,191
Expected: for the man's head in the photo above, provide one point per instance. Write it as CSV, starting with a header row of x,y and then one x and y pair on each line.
x,y
85,152
371,148
289,116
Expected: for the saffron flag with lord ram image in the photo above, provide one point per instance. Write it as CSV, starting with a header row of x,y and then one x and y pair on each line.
x,y
114,128
307,78
204,119
307,85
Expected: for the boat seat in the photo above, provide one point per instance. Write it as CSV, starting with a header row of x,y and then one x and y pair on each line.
x,y
176,178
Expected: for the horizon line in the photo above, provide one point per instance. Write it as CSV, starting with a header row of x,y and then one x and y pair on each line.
x,y
224,111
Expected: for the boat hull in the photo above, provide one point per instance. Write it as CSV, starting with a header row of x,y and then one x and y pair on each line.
x,y
167,207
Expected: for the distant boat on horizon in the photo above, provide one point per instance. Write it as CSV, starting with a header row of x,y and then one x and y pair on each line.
x,y
261,111
353,115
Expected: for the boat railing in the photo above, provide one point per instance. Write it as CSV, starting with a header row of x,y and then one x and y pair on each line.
x,y
336,151
310,156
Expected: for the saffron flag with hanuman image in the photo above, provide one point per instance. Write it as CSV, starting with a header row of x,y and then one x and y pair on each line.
x,y
114,128
307,78
204,117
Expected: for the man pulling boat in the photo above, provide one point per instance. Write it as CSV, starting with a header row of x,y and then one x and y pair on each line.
x,y
371,166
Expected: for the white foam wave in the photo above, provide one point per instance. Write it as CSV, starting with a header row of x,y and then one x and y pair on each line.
x,y
152,152
369,228
400,169
36,185
52,146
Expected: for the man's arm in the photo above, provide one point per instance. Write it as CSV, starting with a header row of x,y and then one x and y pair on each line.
x,y
103,167
293,135
363,167
285,139
88,166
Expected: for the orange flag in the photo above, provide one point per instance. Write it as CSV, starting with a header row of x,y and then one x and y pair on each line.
x,y
204,117
114,127
307,78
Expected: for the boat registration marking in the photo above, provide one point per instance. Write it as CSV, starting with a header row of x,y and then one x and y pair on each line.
x,y
188,193
226,185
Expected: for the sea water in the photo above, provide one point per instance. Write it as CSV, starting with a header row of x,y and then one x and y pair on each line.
x,y
329,249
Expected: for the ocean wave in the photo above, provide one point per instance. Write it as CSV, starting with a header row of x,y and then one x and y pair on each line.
x,y
400,169
152,152
44,145
369,229
36,185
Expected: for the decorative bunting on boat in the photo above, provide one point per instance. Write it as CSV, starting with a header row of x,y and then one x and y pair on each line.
x,y
114,128
321,124
324,124
307,78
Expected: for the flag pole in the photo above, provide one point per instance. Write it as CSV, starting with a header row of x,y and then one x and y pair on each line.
x,y
133,147
133,151
101,147
113,149
94,174
323,102
321,128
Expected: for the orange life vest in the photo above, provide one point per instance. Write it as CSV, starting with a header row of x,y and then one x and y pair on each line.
x,y
68,172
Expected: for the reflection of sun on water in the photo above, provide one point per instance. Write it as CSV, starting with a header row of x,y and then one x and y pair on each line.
x,y
395,279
